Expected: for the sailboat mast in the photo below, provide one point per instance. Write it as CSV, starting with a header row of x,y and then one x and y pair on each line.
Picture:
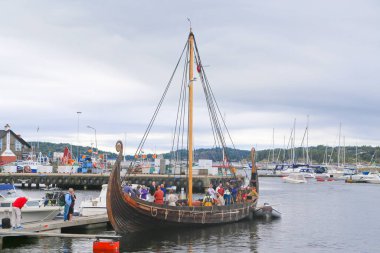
x,y
273,146
190,127
307,142
340,129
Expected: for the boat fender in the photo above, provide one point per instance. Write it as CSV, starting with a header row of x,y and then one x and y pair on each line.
x,y
107,246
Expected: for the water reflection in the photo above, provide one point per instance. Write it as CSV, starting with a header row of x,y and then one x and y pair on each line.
x,y
241,236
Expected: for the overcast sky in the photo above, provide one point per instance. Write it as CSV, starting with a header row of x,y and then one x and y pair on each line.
x,y
268,63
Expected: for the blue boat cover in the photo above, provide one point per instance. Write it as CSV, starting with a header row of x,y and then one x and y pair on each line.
x,y
5,187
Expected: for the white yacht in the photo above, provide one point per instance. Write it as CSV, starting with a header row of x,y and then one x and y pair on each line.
x,y
364,177
94,206
295,178
34,210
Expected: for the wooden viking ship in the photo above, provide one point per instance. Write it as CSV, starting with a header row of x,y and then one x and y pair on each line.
x,y
131,214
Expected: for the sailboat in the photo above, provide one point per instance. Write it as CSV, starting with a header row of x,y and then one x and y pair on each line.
x,y
130,214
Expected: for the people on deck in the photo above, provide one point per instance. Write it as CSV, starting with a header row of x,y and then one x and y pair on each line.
x,y
227,197
152,190
220,189
144,193
17,205
162,187
211,191
219,200
234,193
158,196
172,198
207,200
252,194
137,191
128,190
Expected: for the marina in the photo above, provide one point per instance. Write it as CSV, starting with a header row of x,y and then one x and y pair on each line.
x,y
306,210
189,126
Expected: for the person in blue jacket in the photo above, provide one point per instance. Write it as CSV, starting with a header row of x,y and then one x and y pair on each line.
x,y
68,201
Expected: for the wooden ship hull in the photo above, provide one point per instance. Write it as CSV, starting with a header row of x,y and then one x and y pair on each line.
x,y
130,214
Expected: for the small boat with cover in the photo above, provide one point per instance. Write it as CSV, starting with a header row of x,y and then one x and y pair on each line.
x,y
128,213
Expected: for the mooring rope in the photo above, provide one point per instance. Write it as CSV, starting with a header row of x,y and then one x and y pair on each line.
x,y
151,211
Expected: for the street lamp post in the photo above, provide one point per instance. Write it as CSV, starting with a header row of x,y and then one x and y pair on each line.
x,y
96,141
78,113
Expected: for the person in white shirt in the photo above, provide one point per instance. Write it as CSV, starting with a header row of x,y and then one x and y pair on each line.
x,y
211,191
172,198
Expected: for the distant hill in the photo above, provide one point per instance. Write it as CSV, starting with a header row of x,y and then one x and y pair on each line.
x,y
317,154
48,148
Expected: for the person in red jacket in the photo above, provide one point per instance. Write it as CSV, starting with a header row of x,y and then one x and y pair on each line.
x,y
159,196
16,212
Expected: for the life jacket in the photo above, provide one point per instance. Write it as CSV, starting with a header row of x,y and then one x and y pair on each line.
x,y
207,201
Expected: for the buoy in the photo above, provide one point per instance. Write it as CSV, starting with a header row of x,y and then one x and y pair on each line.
x,y
107,246
320,179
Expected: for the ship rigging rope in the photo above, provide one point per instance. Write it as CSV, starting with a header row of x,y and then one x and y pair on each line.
x,y
213,108
145,136
217,121
180,119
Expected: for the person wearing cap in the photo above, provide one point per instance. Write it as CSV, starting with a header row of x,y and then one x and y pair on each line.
x,y
17,205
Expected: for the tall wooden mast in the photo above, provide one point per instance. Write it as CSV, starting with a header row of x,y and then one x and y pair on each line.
x,y
190,127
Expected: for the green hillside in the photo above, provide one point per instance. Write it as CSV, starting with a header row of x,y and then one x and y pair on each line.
x,y
317,154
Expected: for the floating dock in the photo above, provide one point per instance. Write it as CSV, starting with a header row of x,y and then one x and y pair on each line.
x,y
54,227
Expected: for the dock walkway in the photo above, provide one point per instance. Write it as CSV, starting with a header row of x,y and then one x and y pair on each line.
x,y
54,227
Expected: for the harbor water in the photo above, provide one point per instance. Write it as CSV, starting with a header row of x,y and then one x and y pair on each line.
x,y
316,217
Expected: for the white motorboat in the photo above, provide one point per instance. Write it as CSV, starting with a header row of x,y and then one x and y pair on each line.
x,y
295,178
373,179
363,178
34,210
307,172
94,206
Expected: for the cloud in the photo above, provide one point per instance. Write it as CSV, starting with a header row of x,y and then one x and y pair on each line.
x,y
268,63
